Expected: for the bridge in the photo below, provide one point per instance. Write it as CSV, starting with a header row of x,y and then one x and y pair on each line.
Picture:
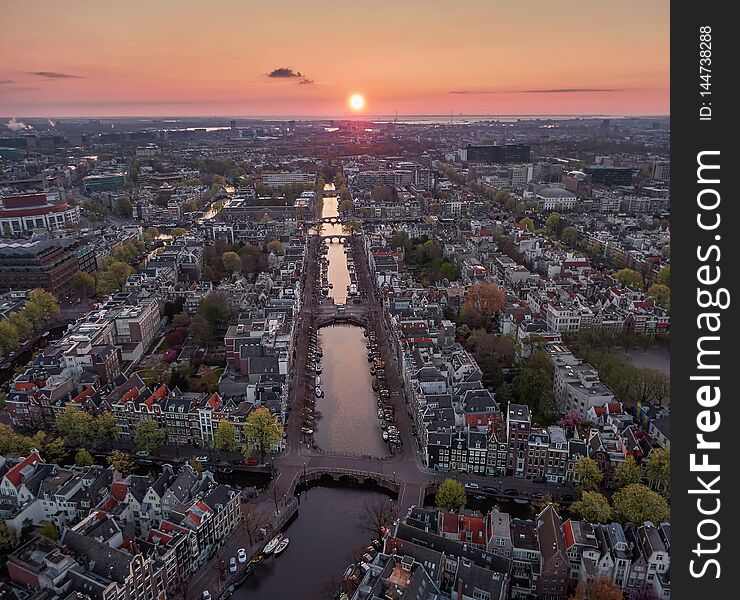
x,y
353,314
346,477
334,238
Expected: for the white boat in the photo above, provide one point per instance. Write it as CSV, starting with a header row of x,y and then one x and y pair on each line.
x,y
385,436
282,546
273,544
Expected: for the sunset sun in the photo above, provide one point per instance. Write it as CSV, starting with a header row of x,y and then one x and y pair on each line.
x,y
356,102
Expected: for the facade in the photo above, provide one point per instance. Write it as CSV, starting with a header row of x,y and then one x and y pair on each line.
x,y
28,264
30,212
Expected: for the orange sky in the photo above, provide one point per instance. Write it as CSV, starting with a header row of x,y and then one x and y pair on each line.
x,y
189,57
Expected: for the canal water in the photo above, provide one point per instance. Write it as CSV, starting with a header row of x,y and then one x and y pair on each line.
x,y
338,273
348,413
322,540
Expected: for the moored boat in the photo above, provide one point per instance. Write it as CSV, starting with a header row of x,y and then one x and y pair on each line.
x,y
273,544
282,546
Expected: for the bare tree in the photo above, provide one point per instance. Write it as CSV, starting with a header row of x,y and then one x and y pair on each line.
x,y
253,521
377,513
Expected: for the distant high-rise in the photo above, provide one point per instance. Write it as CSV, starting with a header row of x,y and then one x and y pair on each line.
x,y
509,153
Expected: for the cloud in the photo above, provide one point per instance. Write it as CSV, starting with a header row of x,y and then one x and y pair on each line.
x,y
6,81
543,91
288,73
52,75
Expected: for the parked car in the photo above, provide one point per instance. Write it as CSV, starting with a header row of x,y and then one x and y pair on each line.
x,y
142,454
252,462
201,459
242,554
472,486
232,565
511,492
206,595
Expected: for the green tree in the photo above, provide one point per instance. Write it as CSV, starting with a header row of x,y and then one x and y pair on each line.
x,y
588,474
658,469
124,207
637,503
528,223
22,324
664,276
231,261
262,432
6,539
215,309
629,278
627,472
661,294
197,467
83,458
148,436
352,227
451,495
105,430
178,232
552,223
54,451
9,338
122,462
113,278
570,236
275,246
83,283
201,331
75,426
593,507
151,234
49,530
225,437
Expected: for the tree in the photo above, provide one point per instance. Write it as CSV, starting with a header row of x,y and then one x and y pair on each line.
x,y
231,261
552,223
587,473
275,247
9,338
197,467
637,503
593,507
627,472
83,458
83,283
352,227
664,276
178,232
225,437
46,301
148,436
629,278
658,469
661,294
201,331
262,432
600,588
215,309
113,278
377,513
54,451
75,426
528,223
451,495
570,236
122,462
151,234
484,299
124,207
105,430
6,538
382,193
22,324
49,530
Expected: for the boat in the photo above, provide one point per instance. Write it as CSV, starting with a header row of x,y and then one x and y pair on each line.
x,y
282,546
385,436
319,393
273,543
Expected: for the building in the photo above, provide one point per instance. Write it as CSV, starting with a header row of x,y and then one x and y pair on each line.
x,y
277,180
509,153
555,199
42,263
104,183
29,212
608,175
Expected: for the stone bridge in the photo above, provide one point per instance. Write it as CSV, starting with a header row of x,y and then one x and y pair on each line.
x,y
346,477
334,238
338,319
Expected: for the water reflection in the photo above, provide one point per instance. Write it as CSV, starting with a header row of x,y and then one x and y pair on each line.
x,y
348,411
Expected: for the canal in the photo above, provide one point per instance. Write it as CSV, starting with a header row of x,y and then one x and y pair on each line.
x,y
338,272
322,540
347,414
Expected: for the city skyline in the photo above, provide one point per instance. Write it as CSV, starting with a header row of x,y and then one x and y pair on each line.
x,y
287,59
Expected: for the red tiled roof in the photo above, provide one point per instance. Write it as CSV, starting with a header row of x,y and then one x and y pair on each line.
x,y
14,475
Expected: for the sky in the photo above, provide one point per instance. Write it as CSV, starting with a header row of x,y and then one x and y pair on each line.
x,y
305,58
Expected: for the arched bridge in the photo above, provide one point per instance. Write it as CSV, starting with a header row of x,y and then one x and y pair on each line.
x,y
334,238
339,319
349,477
